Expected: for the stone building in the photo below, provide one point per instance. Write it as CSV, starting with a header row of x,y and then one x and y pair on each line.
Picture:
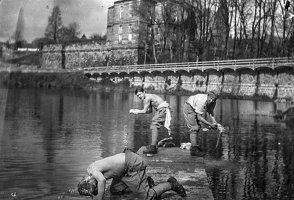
x,y
132,36
126,29
152,27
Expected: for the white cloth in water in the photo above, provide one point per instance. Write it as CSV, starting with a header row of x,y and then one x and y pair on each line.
x,y
220,128
205,129
167,121
186,145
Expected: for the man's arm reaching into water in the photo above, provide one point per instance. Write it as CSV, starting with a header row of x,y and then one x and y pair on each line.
x,y
204,121
212,118
146,109
210,111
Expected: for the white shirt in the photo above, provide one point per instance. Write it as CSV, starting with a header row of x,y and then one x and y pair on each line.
x,y
198,102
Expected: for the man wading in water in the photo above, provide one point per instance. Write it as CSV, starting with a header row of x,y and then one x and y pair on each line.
x,y
161,117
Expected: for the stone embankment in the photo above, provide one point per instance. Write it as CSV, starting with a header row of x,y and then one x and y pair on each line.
x,y
271,78
263,84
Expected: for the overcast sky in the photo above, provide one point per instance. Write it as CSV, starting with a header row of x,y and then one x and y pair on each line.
x,y
91,15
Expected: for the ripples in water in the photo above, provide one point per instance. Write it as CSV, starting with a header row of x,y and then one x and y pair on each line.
x,y
49,138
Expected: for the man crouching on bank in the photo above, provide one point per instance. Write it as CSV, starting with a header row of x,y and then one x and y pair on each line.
x,y
128,173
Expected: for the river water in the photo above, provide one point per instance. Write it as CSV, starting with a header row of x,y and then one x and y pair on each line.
x,y
49,137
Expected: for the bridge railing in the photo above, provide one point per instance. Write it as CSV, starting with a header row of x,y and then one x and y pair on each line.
x,y
204,65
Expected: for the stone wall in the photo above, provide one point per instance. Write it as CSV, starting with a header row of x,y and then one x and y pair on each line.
x,y
76,56
272,84
52,57
277,83
285,81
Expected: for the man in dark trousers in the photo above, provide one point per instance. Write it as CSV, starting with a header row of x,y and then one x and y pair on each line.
x,y
195,109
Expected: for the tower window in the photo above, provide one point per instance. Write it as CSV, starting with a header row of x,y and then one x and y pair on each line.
x,y
130,28
120,12
130,11
130,36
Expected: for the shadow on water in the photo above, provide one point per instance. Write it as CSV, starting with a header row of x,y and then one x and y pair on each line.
x,y
49,138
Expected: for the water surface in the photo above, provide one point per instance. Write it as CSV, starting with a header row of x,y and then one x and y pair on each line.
x,y
49,137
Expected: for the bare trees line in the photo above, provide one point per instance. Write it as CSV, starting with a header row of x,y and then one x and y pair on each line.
x,y
191,30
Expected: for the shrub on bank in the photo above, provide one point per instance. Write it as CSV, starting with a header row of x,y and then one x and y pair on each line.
x,y
75,80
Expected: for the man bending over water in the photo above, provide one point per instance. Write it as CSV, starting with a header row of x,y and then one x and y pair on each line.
x,y
128,173
195,109
161,117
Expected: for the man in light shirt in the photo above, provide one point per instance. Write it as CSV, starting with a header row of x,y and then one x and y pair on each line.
x,y
194,111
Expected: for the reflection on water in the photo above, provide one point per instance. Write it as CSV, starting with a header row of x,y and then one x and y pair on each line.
x,y
48,138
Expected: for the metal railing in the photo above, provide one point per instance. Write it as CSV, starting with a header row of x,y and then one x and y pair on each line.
x,y
202,66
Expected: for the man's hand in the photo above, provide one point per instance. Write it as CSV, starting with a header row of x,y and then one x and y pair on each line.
x,y
221,128
214,126
195,128
133,111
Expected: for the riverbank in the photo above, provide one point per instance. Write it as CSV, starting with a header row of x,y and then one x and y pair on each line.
x,y
26,76
77,80
58,80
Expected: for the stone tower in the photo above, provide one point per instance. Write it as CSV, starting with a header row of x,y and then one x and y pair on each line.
x,y
122,23
125,27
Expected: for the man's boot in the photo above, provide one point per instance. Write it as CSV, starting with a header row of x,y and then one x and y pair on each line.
x,y
196,151
151,150
150,182
177,187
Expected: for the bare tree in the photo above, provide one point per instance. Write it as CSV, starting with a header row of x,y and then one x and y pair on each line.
x,y
226,15
145,10
70,33
244,12
272,11
212,29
